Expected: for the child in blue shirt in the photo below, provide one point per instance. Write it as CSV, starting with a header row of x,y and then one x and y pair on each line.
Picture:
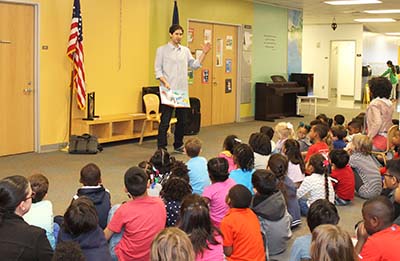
x,y
244,158
198,173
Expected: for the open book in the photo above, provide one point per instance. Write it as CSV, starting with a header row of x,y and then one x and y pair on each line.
x,y
174,98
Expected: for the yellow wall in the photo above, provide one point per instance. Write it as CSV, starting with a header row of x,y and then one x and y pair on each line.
x,y
117,89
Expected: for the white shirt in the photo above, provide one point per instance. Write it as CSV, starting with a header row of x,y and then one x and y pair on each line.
x,y
294,172
314,186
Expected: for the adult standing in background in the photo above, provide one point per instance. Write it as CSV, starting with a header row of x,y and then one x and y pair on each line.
x,y
171,68
379,112
393,78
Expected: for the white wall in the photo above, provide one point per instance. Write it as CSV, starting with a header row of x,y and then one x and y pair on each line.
x,y
377,50
316,53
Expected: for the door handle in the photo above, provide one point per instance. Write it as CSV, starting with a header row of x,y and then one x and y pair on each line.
x,y
5,42
27,90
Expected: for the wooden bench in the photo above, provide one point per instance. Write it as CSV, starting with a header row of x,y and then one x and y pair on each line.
x,y
116,127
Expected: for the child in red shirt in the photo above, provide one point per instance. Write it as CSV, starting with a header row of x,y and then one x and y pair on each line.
x,y
317,133
241,228
342,177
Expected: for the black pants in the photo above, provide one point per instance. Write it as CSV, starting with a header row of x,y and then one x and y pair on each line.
x,y
166,114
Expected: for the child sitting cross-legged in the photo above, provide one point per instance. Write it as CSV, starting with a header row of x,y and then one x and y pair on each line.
x,y
215,194
197,166
339,133
41,212
81,225
342,177
317,135
261,146
142,217
242,240
269,205
229,143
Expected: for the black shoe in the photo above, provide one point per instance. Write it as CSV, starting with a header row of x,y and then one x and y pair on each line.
x,y
180,150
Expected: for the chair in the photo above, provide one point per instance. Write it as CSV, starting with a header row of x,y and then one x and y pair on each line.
x,y
278,78
312,99
152,105
389,146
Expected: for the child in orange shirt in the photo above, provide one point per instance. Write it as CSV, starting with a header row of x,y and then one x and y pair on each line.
x,y
242,240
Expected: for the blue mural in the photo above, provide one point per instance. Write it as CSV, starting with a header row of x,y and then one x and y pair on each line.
x,y
295,35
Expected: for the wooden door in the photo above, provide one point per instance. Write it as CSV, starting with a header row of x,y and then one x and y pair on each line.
x,y
16,78
218,101
224,74
201,88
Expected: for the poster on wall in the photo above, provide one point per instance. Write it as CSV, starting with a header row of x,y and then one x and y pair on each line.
x,y
228,85
207,36
190,35
204,76
229,42
190,76
228,65
219,52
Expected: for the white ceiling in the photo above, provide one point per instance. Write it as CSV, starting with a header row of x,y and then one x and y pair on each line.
x,y
317,12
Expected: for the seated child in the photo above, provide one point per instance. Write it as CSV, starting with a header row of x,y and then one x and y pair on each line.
x,y
391,183
278,164
154,179
41,212
81,225
242,240
342,177
354,128
296,167
378,238
321,212
317,185
198,174
302,137
261,147
161,161
330,242
229,143
93,189
244,159
368,182
173,191
324,119
68,250
338,119
270,207
317,134
216,193
339,133
172,244
142,217
205,237
284,131
269,131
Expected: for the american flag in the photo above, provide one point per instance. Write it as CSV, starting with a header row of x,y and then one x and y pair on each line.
x,y
75,53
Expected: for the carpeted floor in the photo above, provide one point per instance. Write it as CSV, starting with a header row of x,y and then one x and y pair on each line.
x,y
62,168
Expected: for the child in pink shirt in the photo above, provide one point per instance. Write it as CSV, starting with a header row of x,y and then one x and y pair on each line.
x,y
215,194
229,142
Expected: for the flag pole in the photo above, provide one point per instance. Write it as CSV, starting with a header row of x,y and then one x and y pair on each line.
x,y
71,92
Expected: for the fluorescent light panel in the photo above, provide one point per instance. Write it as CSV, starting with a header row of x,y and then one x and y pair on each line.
x,y
388,11
375,20
393,34
353,2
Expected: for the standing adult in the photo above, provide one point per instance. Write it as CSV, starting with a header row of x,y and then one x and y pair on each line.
x,y
171,68
379,112
18,239
393,78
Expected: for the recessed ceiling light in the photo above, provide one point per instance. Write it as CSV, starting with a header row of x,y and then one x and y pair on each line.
x,y
393,34
353,2
374,20
389,11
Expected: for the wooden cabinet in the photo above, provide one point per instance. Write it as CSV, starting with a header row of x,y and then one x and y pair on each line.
x,y
115,127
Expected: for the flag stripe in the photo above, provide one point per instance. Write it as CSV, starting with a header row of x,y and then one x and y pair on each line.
x,y
76,55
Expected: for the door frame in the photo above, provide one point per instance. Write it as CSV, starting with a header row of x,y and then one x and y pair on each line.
x,y
239,51
36,68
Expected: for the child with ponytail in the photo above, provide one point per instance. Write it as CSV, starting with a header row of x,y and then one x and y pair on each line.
x,y
317,185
